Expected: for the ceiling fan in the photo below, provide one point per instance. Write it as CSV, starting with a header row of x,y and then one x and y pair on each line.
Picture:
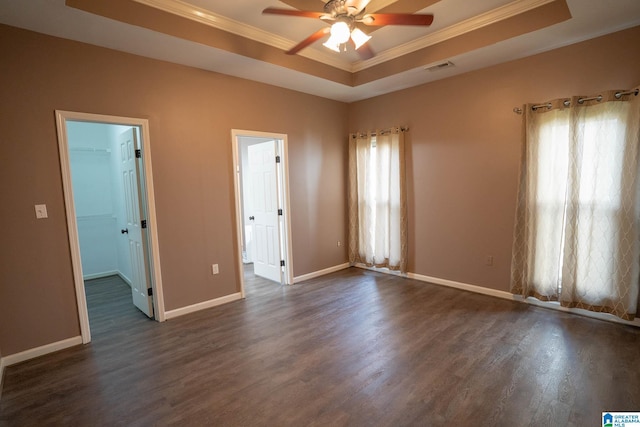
x,y
349,22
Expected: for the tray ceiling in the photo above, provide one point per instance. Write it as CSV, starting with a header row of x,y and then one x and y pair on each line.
x,y
233,37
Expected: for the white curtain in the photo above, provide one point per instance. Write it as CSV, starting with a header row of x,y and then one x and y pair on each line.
x,y
377,201
577,237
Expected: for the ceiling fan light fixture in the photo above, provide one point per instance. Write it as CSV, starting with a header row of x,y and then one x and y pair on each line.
x,y
332,44
359,37
340,32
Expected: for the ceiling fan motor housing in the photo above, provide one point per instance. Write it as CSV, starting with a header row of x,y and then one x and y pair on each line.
x,y
340,8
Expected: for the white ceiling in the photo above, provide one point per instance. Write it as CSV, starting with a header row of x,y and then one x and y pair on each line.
x,y
590,18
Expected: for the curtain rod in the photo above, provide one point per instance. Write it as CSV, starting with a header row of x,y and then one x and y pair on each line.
x,y
382,132
567,102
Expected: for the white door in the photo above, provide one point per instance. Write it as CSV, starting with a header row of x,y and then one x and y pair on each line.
x,y
140,283
264,211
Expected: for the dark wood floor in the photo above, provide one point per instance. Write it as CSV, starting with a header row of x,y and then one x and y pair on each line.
x,y
111,309
351,348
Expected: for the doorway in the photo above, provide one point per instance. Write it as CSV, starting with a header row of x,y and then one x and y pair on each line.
x,y
108,189
262,205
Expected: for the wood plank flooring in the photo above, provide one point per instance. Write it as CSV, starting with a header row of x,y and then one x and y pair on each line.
x,y
351,348
110,306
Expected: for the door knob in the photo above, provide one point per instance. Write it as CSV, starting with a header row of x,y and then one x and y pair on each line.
x,y
124,231
252,218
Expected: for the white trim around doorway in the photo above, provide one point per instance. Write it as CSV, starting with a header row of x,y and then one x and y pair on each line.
x,y
284,161
72,226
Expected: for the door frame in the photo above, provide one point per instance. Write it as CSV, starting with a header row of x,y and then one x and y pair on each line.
x,y
283,188
72,224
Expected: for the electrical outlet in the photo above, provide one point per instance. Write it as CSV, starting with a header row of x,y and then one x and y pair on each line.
x,y
339,243
214,269
41,211
489,260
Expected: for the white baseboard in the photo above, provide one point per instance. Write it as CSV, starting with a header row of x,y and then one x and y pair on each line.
x,y
107,274
553,305
202,305
464,286
32,353
124,278
100,275
322,272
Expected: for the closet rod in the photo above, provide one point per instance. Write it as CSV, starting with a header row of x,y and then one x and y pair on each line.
x,y
91,149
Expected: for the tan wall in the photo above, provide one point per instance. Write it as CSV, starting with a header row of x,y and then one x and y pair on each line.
x,y
191,113
463,150
463,154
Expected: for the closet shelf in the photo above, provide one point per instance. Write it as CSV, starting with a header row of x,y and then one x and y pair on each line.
x,y
90,150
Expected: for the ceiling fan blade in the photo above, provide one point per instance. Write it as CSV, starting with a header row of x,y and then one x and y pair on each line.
x,y
404,6
357,5
290,12
309,40
304,4
365,28
379,19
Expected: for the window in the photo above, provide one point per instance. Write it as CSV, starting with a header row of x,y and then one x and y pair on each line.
x,y
577,228
377,217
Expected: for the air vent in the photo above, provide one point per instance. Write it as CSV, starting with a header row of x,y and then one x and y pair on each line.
x,y
440,66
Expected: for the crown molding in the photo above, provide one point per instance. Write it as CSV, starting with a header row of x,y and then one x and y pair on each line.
x,y
203,16
498,14
206,17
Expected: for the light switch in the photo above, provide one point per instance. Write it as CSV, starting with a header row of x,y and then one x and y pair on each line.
x,y
41,211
